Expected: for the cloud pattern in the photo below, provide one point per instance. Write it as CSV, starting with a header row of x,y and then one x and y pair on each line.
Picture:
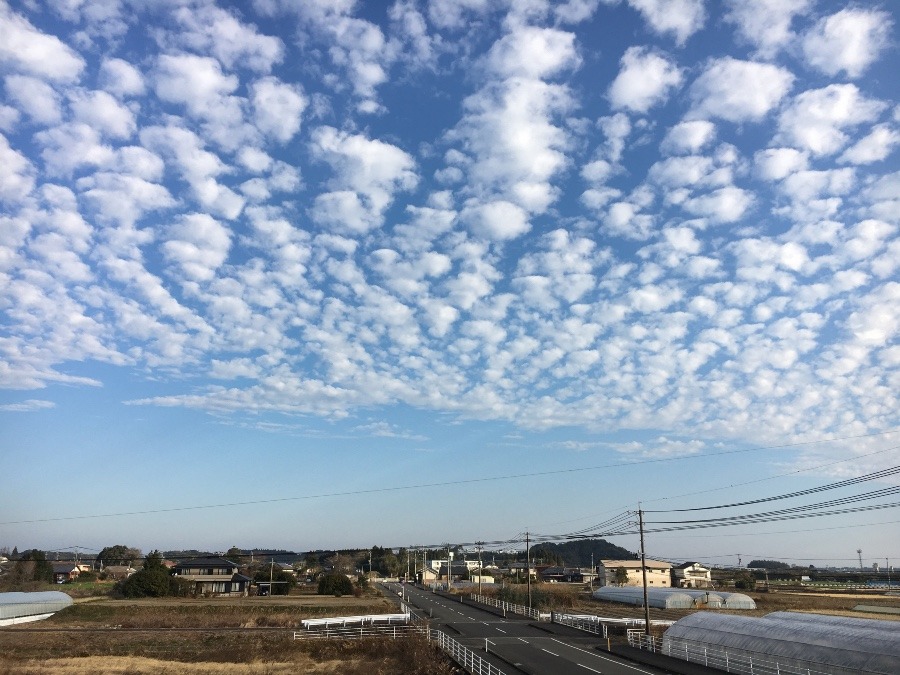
x,y
481,209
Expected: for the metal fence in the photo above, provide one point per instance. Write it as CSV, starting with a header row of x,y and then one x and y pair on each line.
x,y
464,656
739,661
589,624
357,632
530,612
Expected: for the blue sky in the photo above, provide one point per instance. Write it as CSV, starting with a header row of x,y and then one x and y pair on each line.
x,y
341,262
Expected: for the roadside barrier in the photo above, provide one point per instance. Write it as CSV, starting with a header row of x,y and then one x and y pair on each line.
x,y
463,656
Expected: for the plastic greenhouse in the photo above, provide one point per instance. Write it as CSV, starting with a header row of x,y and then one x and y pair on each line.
x,y
682,598
24,607
634,595
786,642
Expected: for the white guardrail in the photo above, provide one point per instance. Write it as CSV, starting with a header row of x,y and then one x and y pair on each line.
x,y
530,612
359,632
728,660
463,655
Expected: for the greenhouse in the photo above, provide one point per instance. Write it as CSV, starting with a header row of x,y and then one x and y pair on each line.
x,y
786,642
682,598
24,607
634,595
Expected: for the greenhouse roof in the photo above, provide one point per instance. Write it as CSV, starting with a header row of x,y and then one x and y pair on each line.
x,y
848,644
17,605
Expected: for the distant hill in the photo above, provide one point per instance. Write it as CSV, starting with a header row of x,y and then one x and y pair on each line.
x,y
578,553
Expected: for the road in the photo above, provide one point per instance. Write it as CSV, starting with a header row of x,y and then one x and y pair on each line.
x,y
550,649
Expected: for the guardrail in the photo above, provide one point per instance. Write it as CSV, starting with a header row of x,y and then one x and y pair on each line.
x,y
530,612
358,632
370,619
729,660
591,624
464,656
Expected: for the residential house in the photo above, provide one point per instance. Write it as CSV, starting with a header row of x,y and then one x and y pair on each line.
x,y
567,575
64,572
691,575
213,576
658,573
117,572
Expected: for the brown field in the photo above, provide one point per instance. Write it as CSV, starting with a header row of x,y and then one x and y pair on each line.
x,y
207,637
253,635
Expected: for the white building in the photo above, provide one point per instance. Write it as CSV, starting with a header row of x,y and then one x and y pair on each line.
x,y
658,573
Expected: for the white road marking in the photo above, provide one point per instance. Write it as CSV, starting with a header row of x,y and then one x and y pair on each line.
x,y
605,658
549,652
590,669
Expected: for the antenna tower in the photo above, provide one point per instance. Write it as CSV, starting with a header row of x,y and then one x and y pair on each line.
x,y
859,553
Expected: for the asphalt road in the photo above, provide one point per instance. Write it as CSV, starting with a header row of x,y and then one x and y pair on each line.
x,y
516,641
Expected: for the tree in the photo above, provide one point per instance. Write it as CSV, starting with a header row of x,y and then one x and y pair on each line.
x,y
36,566
768,565
154,561
335,584
621,577
283,581
119,555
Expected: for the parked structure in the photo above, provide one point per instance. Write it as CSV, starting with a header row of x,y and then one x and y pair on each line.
x,y
23,607
674,598
658,573
691,575
213,576
795,641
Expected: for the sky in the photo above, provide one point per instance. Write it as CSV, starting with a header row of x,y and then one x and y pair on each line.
x,y
312,275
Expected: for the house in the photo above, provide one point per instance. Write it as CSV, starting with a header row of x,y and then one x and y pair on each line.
x,y
117,572
566,575
213,576
658,573
691,575
64,572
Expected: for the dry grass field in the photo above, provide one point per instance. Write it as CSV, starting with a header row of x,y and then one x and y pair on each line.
x,y
207,637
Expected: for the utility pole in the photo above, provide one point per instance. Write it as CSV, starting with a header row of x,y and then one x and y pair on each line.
x,y
644,571
448,567
271,570
481,571
528,567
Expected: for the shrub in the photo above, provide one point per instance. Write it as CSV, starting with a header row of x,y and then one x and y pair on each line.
x,y
334,584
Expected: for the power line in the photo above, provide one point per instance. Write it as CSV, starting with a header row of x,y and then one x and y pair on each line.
x,y
466,481
884,473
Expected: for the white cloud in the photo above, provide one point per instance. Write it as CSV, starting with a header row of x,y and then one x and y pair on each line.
x,y
197,82
218,32
28,50
644,80
197,245
452,13
28,406
70,146
688,137
101,111
848,41
777,163
766,24
498,220
878,145
528,51
367,174
682,18
815,119
726,205
17,177
35,98
807,185
277,107
624,219
121,78
199,167
739,91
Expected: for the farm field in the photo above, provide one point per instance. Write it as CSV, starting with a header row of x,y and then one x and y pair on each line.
x,y
207,637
